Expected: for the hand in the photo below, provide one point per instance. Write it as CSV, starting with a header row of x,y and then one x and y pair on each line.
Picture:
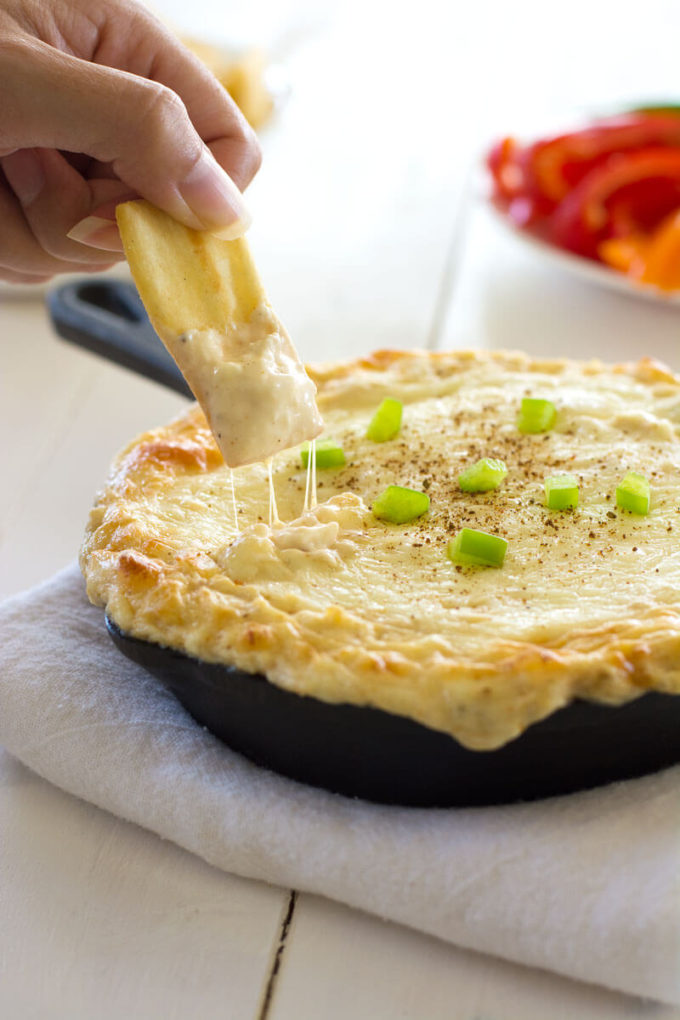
x,y
101,103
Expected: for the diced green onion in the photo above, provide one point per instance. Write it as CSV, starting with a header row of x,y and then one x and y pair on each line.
x,y
632,493
477,548
398,505
485,475
536,415
328,454
561,492
386,422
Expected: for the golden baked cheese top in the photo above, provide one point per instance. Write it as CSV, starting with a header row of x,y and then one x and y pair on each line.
x,y
336,604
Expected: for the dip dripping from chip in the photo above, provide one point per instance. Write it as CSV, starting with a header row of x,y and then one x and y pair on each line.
x,y
205,300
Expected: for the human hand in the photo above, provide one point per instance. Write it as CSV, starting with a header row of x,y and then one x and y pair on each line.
x,y
101,103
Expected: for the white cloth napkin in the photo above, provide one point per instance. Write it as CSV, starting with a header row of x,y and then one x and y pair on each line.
x,y
587,885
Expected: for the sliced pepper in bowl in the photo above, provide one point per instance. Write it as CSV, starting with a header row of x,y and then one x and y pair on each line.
x,y
608,191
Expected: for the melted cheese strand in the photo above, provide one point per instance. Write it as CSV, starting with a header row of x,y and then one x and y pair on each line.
x,y
308,481
312,457
273,509
233,499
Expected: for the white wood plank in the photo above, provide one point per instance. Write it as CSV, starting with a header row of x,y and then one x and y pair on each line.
x,y
70,413
102,919
355,202
340,963
508,296
37,388
42,382
361,178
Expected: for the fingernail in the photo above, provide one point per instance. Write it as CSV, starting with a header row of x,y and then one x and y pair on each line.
x,y
214,199
235,229
96,232
25,174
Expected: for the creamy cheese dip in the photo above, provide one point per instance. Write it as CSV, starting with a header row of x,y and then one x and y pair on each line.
x,y
251,384
335,604
321,538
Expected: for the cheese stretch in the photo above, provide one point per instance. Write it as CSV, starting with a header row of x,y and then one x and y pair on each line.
x,y
332,603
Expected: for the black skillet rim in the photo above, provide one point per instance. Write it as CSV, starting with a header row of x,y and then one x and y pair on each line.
x,y
364,752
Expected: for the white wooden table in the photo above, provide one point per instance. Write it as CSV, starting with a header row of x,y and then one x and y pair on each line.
x,y
367,234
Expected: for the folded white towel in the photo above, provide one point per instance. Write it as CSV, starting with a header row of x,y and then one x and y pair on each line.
x,y
587,885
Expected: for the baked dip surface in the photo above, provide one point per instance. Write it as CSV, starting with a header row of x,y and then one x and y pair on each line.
x,y
334,603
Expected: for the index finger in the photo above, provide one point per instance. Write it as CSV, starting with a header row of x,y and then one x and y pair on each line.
x,y
212,111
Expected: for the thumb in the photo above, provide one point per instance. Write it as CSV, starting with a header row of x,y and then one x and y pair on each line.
x,y
140,127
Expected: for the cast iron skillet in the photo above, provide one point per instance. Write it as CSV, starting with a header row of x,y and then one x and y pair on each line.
x,y
362,751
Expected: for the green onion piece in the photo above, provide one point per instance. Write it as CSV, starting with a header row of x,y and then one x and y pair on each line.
x,y
536,415
561,492
328,454
398,504
477,548
485,475
632,493
386,422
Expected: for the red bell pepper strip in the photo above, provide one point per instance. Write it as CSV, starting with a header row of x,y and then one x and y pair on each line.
x,y
501,162
628,193
529,181
554,166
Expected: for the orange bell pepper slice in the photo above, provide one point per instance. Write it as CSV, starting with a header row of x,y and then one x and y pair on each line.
x,y
651,258
661,263
624,253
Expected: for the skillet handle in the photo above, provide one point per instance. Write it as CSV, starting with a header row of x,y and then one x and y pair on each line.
x,y
108,318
